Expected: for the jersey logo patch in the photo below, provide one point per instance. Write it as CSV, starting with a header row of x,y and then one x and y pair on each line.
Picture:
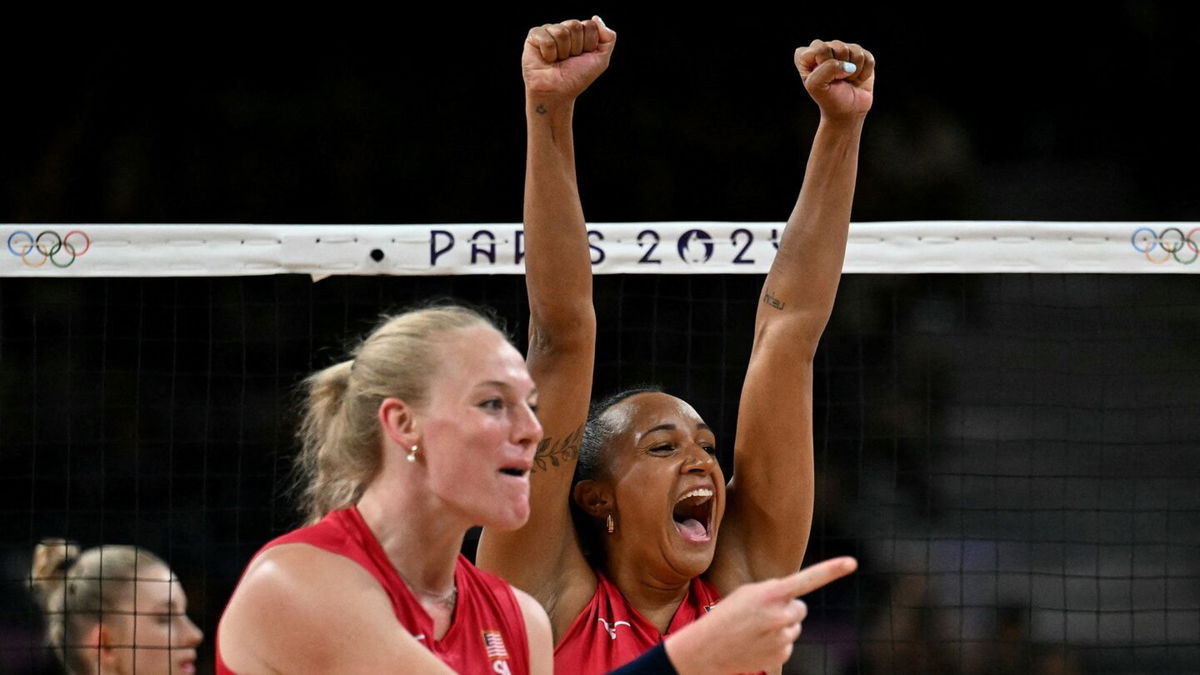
x,y
612,630
493,644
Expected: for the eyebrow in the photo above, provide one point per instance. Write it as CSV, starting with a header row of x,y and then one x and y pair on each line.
x,y
504,385
671,427
171,607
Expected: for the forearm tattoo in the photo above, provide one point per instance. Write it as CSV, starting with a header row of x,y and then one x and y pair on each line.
x,y
772,300
541,109
557,452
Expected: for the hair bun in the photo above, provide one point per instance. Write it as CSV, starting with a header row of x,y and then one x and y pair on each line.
x,y
52,558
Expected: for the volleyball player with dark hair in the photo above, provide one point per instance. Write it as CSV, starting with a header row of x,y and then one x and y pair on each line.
x,y
113,609
647,486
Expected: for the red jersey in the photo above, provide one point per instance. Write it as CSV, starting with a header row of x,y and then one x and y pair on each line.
x,y
609,633
487,634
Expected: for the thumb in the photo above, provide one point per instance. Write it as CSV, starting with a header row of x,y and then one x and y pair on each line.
x,y
813,577
607,35
828,72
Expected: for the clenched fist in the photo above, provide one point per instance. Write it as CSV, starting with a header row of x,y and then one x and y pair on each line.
x,y
561,59
839,76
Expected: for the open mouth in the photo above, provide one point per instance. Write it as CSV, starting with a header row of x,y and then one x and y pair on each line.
x,y
693,515
515,472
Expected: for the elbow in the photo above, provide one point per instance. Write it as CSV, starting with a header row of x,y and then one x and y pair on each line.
x,y
793,337
574,329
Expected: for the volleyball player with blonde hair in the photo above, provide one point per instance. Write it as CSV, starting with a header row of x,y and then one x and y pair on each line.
x,y
646,560
428,430
113,610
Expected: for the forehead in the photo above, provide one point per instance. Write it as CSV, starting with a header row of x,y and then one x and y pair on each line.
x,y
156,586
641,413
479,354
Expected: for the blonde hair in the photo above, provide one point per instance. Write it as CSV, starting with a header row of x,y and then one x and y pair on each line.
x,y
75,590
341,445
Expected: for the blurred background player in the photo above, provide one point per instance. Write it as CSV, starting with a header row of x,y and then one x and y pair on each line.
x,y
113,609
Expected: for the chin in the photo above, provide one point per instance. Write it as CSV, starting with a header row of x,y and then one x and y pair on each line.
x,y
698,564
510,519
690,561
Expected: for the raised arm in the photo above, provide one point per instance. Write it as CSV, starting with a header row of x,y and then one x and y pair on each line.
x,y
559,62
770,496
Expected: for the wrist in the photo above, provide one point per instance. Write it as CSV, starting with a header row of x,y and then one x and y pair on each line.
x,y
685,658
547,103
548,113
852,123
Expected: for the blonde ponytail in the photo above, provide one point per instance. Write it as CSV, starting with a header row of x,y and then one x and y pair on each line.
x,y
339,434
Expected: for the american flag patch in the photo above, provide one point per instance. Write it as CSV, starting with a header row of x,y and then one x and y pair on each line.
x,y
493,642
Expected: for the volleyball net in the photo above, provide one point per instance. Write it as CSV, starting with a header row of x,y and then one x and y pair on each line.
x,y
1005,429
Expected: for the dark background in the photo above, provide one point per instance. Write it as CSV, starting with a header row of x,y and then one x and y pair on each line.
x,y
1013,111
1010,455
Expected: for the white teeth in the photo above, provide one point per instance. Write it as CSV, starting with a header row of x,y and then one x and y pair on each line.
x,y
698,492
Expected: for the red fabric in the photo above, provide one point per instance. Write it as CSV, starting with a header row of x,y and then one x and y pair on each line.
x,y
486,616
609,632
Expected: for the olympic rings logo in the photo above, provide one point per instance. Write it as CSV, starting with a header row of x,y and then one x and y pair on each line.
x,y
61,251
1170,243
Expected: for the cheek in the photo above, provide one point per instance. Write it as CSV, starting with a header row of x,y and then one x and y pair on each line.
x,y
643,491
152,634
150,653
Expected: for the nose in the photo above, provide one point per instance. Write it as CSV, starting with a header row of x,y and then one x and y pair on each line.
x,y
527,429
698,460
192,635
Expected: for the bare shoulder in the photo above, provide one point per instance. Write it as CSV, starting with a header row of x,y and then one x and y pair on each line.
x,y
534,613
297,577
301,609
537,627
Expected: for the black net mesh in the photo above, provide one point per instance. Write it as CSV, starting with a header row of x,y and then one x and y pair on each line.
x,y
1012,457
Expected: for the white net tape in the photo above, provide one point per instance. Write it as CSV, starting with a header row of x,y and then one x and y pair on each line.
x,y
617,248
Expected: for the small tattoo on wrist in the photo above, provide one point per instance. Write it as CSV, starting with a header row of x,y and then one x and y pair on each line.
x,y
772,300
541,109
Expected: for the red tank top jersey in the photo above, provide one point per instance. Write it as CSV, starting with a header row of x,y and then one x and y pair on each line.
x,y
609,632
487,635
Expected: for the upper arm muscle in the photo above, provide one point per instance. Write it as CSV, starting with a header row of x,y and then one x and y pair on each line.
x,y
302,610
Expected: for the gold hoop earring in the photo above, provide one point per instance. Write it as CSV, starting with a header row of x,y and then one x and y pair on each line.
x,y
611,527
412,453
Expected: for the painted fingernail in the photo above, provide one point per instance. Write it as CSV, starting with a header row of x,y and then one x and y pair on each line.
x,y
849,67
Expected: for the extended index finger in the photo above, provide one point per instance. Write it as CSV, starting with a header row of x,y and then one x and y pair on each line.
x,y
813,577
